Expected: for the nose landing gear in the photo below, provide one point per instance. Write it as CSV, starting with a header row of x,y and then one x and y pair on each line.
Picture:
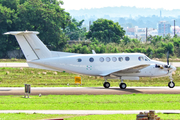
x,y
171,84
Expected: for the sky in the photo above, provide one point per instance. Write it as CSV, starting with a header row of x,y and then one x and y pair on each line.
x,y
88,4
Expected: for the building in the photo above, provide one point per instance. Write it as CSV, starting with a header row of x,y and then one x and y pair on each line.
x,y
140,33
130,31
177,29
164,28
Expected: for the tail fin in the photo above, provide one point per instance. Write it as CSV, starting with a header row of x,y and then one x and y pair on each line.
x,y
32,47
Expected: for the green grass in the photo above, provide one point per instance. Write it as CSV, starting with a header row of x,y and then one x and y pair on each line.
x,y
17,77
23,116
92,102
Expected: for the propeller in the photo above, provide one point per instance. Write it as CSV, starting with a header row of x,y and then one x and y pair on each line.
x,y
168,66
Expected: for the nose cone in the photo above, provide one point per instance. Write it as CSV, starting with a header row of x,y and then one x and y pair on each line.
x,y
173,69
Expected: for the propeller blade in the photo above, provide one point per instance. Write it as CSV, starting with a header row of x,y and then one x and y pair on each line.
x,y
168,58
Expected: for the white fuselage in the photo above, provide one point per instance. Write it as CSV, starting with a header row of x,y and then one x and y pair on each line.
x,y
96,66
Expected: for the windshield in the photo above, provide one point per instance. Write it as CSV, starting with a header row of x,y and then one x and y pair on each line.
x,y
146,58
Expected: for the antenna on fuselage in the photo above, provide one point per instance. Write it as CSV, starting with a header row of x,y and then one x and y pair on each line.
x,y
93,52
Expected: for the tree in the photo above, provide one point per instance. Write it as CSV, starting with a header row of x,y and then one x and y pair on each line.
x,y
156,39
12,4
106,31
126,40
170,48
75,31
6,21
49,19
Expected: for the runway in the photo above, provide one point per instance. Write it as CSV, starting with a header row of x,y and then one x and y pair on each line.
x,y
89,90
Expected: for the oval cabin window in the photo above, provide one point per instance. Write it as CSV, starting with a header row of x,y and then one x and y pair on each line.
x,y
120,59
79,60
91,59
101,59
127,58
114,59
108,59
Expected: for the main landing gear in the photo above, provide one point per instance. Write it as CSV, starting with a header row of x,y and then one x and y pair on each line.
x,y
107,84
171,84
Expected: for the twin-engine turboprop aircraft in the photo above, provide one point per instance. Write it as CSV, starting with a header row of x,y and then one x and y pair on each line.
x,y
123,66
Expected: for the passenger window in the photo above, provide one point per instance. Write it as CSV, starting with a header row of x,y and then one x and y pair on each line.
x,y
120,59
79,60
114,59
141,58
108,59
91,59
101,59
127,58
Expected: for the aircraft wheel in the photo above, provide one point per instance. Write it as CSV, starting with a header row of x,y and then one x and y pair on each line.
x,y
123,85
106,84
171,84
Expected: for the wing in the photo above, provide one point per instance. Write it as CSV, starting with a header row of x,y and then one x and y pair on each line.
x,y
132,69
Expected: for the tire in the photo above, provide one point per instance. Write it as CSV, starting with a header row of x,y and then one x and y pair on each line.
x,y
123,85
171,84
106,84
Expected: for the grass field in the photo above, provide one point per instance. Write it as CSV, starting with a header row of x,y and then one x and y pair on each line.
x,y
17,77
22,116
92,102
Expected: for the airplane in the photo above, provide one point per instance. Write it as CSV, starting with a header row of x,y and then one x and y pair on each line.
x,y
122,66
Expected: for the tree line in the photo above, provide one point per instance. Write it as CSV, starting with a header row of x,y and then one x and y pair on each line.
x,y
56,27
45,16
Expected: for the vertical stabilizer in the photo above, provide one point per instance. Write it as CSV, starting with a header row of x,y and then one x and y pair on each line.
x,y
32,47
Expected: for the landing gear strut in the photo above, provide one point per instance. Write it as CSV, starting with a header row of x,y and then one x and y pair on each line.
x,y
171,84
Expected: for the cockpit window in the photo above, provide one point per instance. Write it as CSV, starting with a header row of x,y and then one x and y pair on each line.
x,y
141,58
146,58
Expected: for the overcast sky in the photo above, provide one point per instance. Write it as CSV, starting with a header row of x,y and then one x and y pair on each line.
x,y
88,4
